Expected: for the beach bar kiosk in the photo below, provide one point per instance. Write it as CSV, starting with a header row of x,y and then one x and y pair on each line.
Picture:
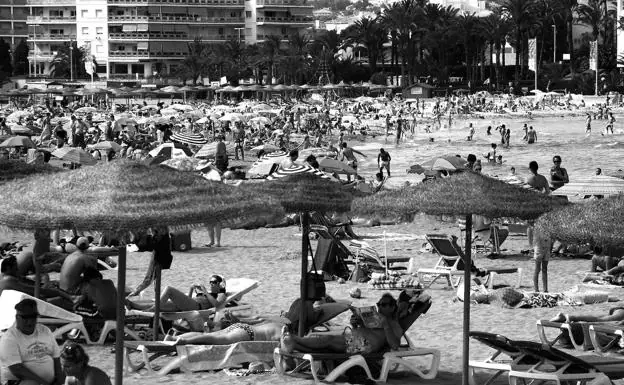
x,y
418,91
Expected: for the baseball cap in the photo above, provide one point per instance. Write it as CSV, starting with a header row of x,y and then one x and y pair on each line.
x,y
27,307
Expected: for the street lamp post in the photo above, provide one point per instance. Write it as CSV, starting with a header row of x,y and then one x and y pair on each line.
x,y
554,43
71,60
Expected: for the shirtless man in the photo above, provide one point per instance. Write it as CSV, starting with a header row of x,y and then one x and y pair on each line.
x,y
74,265
537,181
348,154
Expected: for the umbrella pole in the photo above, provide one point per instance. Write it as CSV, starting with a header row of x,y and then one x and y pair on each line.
x,y
304,272
467,282
157,282
121,315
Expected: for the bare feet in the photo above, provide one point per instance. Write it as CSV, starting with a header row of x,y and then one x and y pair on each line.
x,y
286,342
559,318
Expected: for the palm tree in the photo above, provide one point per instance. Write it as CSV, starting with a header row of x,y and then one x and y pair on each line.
x,y
66,58
495,31
370,33
522,14
296,61
194,64
270,49
400,18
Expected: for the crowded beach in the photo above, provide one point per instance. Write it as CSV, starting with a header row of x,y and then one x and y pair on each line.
x,y
324,232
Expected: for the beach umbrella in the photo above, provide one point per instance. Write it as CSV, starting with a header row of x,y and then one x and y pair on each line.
x,y
261,106
260,120
264,165
74,155
21,130
181,107
168,111
597,222
189,138
445,163
171,150
132,197
107,145
18,141
333,165
85,110
266,147
232,117
170,89
60,119
460,194
15,116
595,185
317,152
302,189
209,150
181,164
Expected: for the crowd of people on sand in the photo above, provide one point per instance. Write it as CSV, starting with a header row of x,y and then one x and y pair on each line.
x,y
291,126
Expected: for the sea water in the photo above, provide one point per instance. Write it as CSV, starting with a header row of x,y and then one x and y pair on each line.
x,y
564,136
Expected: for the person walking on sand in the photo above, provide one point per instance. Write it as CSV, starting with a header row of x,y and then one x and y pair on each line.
x,y
588,121
542,245
348,153
383,161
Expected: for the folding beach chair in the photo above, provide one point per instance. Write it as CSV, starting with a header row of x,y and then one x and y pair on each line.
x,y
559,367
605,337
337,364
503,356
450,264
337,229
59,320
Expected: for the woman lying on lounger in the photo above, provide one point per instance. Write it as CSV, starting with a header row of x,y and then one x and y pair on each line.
x,y
173,299
397,316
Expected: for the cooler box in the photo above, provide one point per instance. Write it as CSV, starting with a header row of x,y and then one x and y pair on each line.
x,y
181,241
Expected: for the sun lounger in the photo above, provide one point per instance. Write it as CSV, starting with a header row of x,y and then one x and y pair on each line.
x,y
605,337
390,361
338,363
574,335
557,366
500,361
193,358
450,264
337,229
59,320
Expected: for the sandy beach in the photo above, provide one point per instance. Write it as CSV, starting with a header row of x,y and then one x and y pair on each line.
x,y
272,256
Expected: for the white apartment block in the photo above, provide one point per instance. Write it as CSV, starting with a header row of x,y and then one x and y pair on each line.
x,y
13,15
141,39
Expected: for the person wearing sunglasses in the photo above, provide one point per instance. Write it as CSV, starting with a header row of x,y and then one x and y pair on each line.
x,y
558,174
28,350
173,299
75,364
357,339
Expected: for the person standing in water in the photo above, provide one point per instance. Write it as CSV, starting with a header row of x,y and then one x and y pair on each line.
x,y
588,121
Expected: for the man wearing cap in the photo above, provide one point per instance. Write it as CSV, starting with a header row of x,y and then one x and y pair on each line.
x,y
28,350
74,265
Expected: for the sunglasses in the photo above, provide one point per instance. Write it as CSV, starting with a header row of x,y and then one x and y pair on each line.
x,y
214,282
70,349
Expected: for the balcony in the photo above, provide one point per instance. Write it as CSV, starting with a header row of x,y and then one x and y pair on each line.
x,y
8,3
56,3
124,18
13,32
51,19
284,20
184,3
129,54
196,19
282,3
129,36
42,56
261,38
51,37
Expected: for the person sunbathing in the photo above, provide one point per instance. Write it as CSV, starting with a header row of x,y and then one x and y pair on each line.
x,y
173,299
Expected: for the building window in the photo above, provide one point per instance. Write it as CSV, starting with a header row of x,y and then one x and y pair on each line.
x,y
220,31
56,13
98,13
99,31
85,31
248,14
84,13
234,14
284,31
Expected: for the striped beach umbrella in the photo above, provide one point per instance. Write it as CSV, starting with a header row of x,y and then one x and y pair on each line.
x,y
189,138
297,169
107,145
171,150
74,155
264,165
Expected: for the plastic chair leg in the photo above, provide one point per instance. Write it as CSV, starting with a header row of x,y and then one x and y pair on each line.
x,y
356,360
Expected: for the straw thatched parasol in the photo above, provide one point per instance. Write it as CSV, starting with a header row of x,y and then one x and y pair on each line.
x,y
11,170
303,189
598,222
132,196
461,194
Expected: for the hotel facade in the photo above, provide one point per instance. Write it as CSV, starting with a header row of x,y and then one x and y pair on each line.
x,y
143,39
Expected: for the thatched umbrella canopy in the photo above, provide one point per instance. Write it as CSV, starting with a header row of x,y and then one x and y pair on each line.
x,y
303,189
11,170
598,222
460,194
132,196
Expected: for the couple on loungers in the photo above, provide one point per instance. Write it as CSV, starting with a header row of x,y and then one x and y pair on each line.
x,y
396,318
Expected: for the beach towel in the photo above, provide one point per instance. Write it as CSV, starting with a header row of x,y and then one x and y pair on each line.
x,y
215,357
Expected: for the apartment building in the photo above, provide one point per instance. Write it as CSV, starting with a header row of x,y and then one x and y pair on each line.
x,y
13,15
140,39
